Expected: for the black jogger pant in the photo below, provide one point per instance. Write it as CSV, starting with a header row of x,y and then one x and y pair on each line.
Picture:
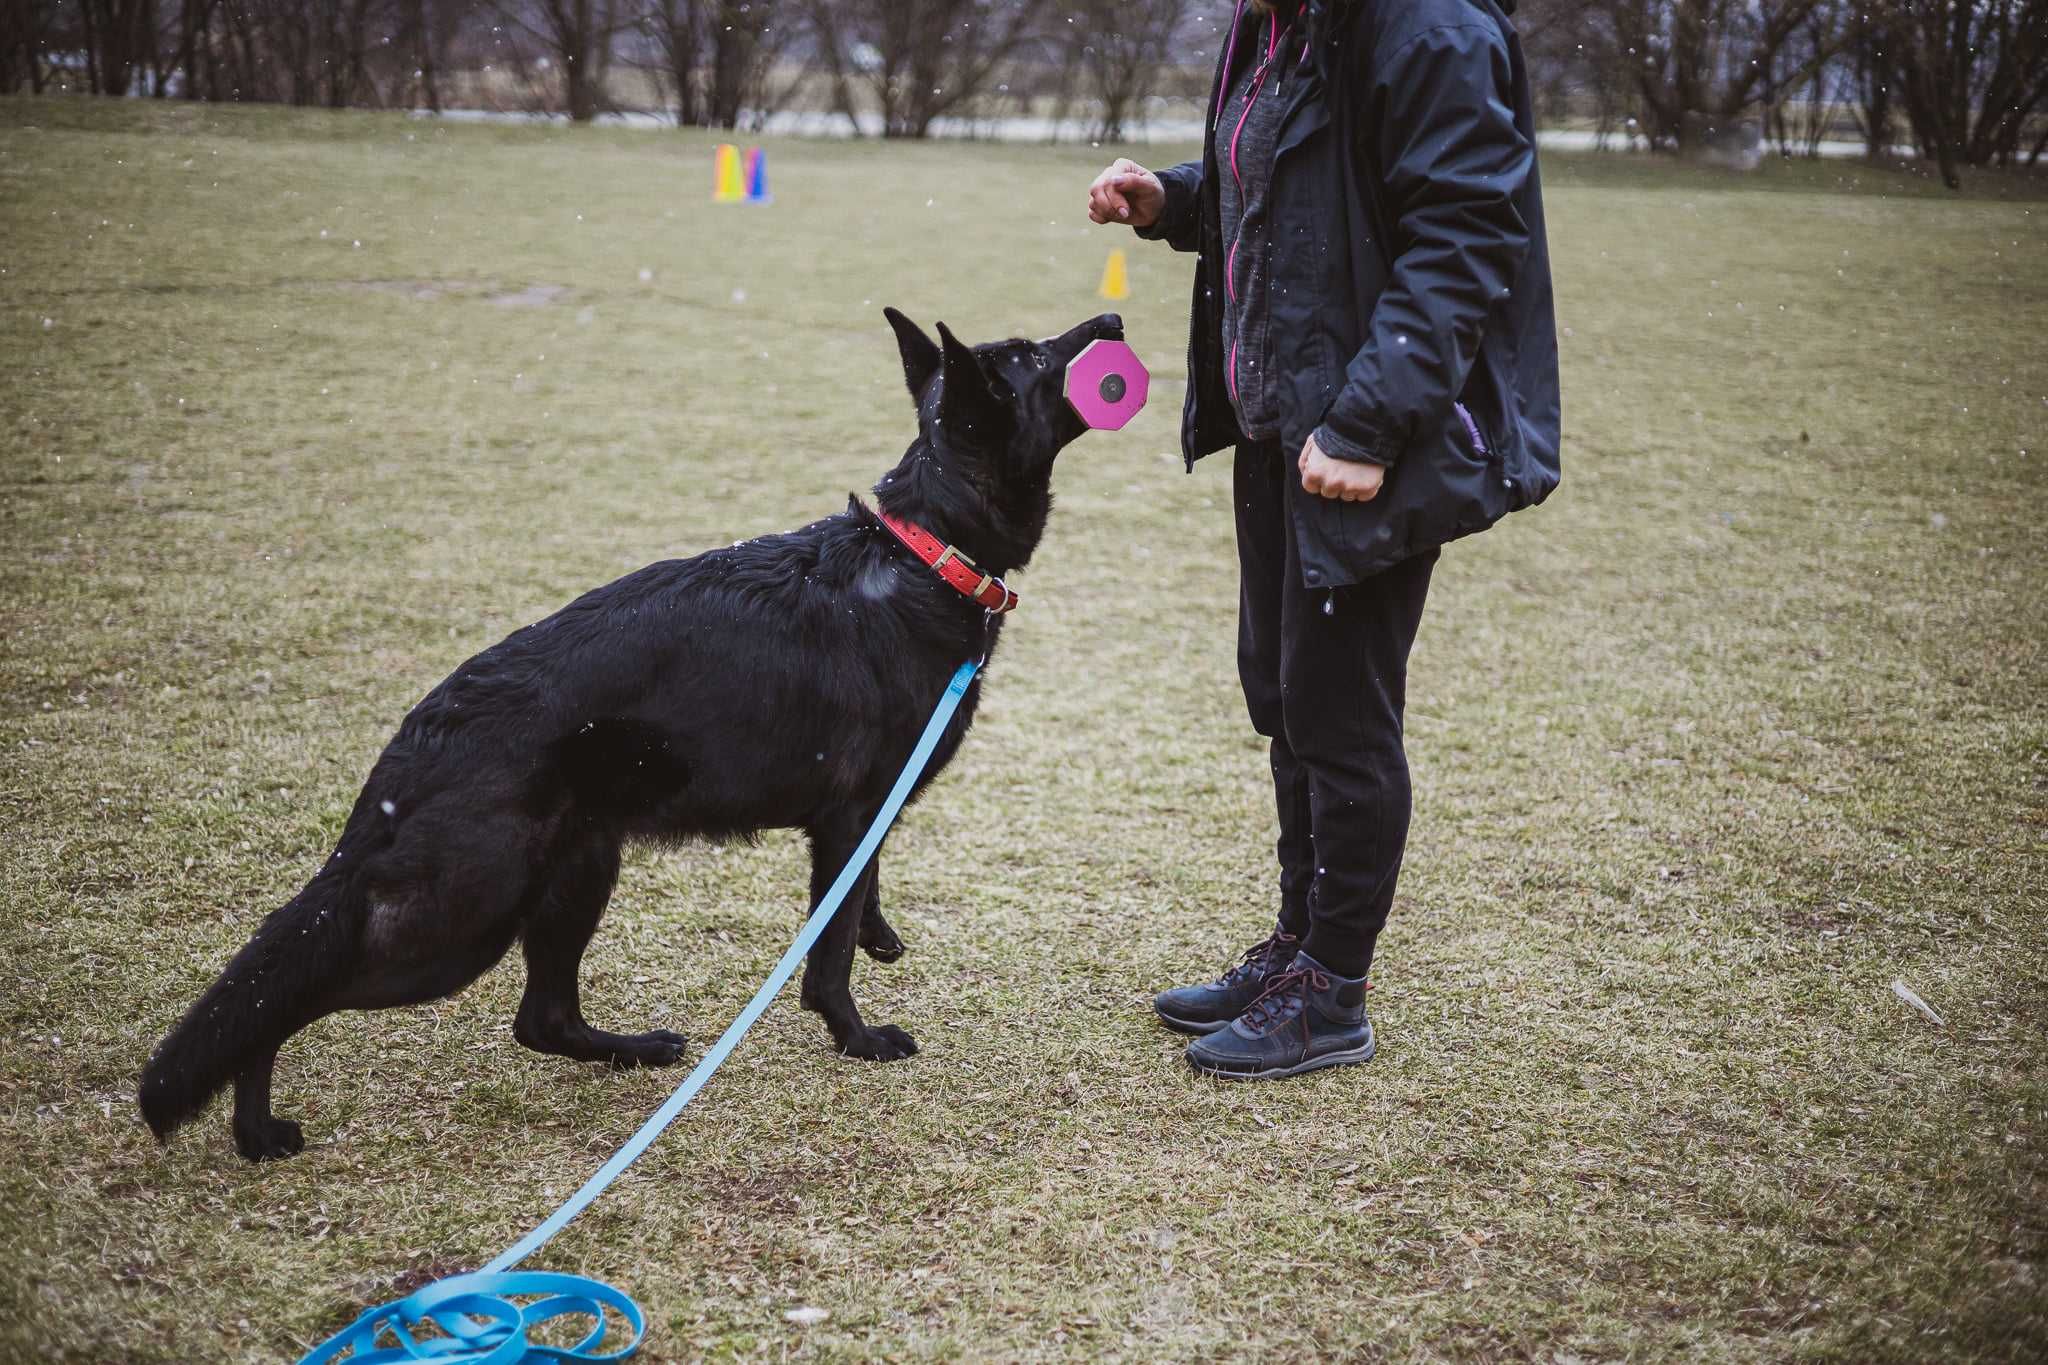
x,y
1325,676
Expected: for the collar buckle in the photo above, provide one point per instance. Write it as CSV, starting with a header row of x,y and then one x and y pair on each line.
x,y
955,569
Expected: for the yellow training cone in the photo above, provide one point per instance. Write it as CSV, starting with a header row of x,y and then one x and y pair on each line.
x,y
1116,277
727,187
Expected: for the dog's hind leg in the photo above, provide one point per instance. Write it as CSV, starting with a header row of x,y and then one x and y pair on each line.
x,y
277,984
564,916
258,1135
828,971
876,938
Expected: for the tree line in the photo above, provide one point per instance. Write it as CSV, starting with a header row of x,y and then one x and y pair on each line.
x,y
1963,82
903,64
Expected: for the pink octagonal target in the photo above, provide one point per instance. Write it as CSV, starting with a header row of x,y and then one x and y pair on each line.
x,y
1107,384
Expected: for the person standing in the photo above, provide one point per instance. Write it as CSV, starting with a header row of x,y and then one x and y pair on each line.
x,y
1372,332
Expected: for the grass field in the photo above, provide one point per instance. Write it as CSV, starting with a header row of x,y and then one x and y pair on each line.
x,y
298,411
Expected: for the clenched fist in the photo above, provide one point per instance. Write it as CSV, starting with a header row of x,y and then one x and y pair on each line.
x,y
1126,193
1329,477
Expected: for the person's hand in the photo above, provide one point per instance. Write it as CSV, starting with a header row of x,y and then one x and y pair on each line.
x,y
1329,477
1126,193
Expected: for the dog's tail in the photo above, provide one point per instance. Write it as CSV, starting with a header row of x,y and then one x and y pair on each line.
x,y
271,989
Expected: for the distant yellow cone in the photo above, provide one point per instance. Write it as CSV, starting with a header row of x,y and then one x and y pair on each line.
x,y
726,186
1116,277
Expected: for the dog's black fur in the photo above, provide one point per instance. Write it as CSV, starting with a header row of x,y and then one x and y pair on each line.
x,y
778,683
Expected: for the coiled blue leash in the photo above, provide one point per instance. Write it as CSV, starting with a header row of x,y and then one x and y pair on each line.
x,y
480,1324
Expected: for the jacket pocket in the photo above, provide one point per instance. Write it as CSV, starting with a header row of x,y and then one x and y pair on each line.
x,y
1444,487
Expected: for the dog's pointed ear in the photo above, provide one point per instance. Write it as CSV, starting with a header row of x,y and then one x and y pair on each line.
x,y
920,353
965,394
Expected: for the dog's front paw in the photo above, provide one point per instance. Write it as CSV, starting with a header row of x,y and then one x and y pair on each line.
x,y
887,949
885,1044
878,940
269,1139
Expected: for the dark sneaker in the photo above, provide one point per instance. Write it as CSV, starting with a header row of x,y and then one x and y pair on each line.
x,y
1306,1019
1213,1004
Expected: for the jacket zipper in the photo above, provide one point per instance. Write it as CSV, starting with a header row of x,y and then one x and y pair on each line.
x,y
1472,430
1208,150
1251,100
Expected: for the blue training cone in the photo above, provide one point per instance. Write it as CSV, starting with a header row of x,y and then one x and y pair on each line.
x,y
757,177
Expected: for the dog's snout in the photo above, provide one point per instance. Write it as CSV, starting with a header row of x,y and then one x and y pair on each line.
x,y
1073,341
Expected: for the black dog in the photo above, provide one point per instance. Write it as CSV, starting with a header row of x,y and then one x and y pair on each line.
x,y
777,684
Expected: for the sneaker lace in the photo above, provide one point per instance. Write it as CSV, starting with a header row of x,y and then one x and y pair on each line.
x,y
1259,955
1283,997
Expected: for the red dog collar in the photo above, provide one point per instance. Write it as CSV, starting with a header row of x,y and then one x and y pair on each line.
x,y
984,590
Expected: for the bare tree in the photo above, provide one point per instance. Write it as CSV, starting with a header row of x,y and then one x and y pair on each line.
x,y
1870,75
1798,108
578,37
1968,74
921,59
21,29
195,19
714,56
425,30
1693,62
119,35
342,41
161,55
1120,46
831,55
1553,40
675,29
746,38
280,50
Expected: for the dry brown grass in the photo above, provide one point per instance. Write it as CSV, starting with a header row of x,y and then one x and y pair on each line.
x,y
1746,723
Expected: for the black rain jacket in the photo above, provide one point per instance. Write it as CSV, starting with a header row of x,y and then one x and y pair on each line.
x,y
1410,278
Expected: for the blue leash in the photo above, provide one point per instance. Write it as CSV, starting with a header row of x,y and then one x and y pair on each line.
x,y
482,1326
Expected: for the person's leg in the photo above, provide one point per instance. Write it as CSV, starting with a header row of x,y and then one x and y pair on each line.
x,y
1344,677
1343,684
1265,562
1260,495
